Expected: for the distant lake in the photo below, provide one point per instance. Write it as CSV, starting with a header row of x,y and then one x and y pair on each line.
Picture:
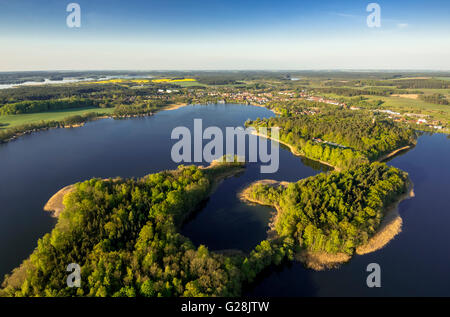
x,y
36,166
45,82
66,80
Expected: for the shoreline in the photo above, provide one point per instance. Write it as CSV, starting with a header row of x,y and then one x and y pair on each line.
x,y
320,261
55,205
294,151
389,228
174,106
317,261
244,197
264,106
216,182
394,153
60,124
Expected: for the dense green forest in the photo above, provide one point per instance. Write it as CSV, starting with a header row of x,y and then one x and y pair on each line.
x,y
46,105
138,106
141,108
123,234
341,138
32,93
104,94
334,212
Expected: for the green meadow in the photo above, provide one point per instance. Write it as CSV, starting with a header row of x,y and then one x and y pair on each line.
x,y
11,121
400,104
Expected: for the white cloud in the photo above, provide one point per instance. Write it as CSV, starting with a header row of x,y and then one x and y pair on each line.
x,y
402,25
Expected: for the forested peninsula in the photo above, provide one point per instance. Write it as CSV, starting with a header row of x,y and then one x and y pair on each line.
x,y
124,235
329,216
339,138
124,232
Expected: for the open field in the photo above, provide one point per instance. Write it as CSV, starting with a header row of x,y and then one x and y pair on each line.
x,y
440,112
20,119
187,83
411,78
407,96
407,104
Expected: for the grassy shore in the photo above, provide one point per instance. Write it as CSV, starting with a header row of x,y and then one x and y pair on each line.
x,y
390,226
55,205
14,126
11,121
175,106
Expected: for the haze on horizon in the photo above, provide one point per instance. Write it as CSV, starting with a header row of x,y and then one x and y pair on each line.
x,y
224,34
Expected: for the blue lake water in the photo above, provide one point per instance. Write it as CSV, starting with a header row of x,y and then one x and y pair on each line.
x,y
36,166
415,263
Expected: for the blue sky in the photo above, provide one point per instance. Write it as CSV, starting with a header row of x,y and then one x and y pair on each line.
x,y
224,34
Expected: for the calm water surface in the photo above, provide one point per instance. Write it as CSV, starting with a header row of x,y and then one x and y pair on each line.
x,y
34,167
415,263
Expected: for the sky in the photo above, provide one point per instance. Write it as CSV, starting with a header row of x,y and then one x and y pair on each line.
x,y
224,34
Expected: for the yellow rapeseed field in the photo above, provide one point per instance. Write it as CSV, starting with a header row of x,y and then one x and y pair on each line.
x,y
168,80
120,81
142,81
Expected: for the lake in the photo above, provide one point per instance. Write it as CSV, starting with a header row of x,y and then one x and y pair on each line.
x,y
415,263
65,80
36,166
45,82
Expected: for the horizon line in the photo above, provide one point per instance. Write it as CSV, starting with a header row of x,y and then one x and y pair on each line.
x,y
235,70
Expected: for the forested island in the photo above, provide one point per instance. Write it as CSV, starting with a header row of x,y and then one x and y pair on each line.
x,y
328,216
